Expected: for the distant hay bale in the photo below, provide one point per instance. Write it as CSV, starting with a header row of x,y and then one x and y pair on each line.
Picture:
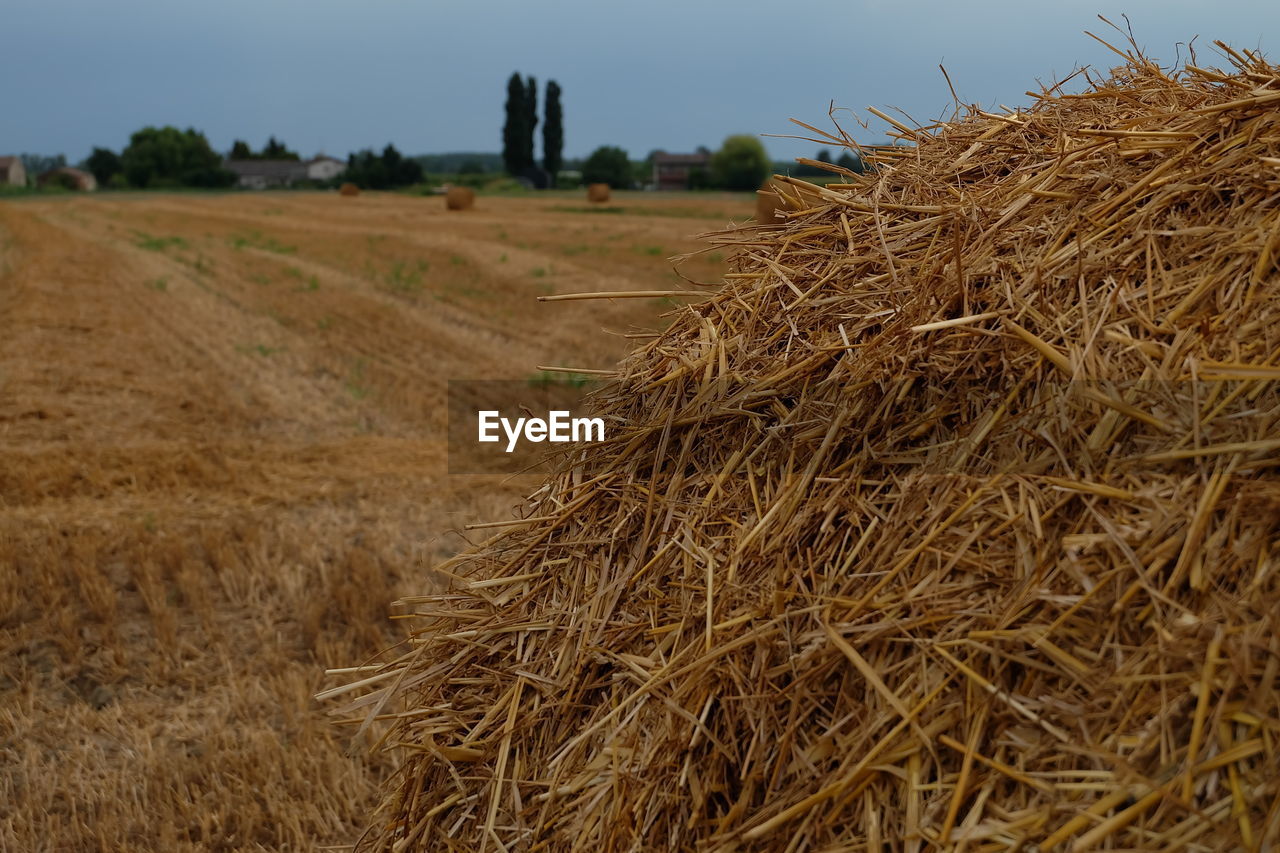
x,y
349,189
769,204
950,519
598,192
460,198
779,196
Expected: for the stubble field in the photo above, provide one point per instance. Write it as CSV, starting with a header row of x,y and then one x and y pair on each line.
x,y
222,457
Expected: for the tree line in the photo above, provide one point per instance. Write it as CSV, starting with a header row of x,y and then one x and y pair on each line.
x,y
161,157
158,157
273,150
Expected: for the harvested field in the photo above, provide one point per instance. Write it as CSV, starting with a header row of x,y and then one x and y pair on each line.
x,y
222,458
950,522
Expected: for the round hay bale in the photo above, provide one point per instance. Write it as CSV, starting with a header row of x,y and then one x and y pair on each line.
x,y
769,204
598,193
952,514
459,198
350,190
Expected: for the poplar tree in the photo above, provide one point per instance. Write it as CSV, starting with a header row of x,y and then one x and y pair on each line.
x,y
553,132
531,120
515,132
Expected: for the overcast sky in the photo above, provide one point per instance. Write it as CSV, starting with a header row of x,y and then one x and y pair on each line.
x,y
430,75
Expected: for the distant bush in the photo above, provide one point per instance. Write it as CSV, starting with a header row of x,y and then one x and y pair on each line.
x,y
11,190
61,180
104,164
740,164
700,179
475,180
168,157
569,179
610,165
385,171
852,162
273,150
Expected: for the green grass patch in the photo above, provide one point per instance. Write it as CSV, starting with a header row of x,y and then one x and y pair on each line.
x,y
456,289
160,284
545,378
259,349
258,240
355,383
309,282
405,277
576,249
158,244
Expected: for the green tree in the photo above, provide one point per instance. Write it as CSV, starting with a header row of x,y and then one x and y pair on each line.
x,y
36,165
384,171
531,120
610,165
740,164
401,172
699,178
104,164
824,156
851,161
553,132
276,150
240,150
366,170
515,131
166,156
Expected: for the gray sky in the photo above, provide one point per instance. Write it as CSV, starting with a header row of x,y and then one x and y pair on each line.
x,y
431,76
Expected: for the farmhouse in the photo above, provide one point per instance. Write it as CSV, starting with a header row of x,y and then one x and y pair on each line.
x,y
672,171
324,168
266,174
12,172
72,179
263,174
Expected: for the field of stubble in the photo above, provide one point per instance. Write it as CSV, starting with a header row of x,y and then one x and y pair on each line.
x,y
221,458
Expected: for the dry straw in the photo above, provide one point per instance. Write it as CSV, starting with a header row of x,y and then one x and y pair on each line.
x,y
459,198
349,189
598,193
951,520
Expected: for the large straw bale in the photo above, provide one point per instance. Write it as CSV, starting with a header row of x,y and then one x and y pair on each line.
x,y
598,193
349,189
951,518
459,198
